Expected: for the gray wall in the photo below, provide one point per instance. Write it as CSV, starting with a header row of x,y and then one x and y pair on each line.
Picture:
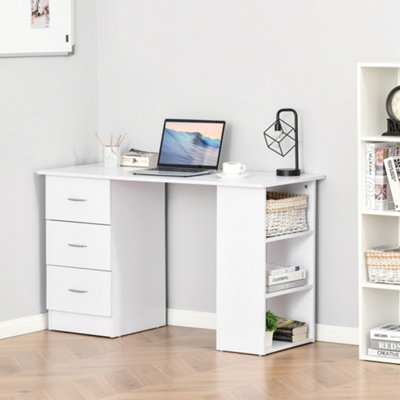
x,y
241,61
48,117
231,59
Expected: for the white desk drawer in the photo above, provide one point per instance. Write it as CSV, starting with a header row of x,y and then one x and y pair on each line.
x,y
79,291
78,245
78,199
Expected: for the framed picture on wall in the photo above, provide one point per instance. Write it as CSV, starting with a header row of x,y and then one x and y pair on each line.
x,y
36,27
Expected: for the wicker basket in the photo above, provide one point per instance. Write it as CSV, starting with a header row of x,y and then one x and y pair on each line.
x,y
286,213
383,266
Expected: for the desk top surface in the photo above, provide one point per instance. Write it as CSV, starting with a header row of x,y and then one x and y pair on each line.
x,y
252,179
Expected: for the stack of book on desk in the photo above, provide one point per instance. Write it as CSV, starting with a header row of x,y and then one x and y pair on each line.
x,y
281,277
289,330
385,341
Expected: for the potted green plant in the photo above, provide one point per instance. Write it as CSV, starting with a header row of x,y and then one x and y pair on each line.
x,y
271,323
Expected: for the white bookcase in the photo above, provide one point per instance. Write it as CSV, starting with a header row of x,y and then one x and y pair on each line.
x,y
378,303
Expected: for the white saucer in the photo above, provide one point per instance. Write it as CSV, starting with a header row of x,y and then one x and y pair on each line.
x,y
230,176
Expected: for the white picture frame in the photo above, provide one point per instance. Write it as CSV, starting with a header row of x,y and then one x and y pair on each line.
x,y
36,27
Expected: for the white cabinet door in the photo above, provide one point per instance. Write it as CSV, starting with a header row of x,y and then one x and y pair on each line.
x,y
79,291
78,245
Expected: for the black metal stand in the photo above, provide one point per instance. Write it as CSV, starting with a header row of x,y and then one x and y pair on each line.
x,y
393,128
288,172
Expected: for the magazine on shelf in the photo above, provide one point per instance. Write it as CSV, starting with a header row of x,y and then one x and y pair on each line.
x,y
285,286
389,332
392,166
378,195
286,277
384,353
287,323
277,269
385,345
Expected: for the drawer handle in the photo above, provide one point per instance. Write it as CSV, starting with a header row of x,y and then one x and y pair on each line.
x,y
77,291
75,199
80,246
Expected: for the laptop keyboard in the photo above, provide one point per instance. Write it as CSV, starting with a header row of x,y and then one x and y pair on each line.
x,y
178,169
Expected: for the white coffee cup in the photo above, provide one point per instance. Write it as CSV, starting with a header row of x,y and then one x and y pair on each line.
x,y
233,168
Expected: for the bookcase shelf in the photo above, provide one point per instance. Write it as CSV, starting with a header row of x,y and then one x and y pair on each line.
x,y
289,291
379,359
382,139
383,286
381,213
378,303
289,236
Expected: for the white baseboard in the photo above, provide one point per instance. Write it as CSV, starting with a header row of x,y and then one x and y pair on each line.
x,y
197,319
191,319
336,334
21,326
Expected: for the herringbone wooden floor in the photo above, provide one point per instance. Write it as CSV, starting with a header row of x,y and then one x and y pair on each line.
x,y
174,363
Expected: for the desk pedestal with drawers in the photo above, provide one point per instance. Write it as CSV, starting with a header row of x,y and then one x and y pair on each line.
x,y
106,256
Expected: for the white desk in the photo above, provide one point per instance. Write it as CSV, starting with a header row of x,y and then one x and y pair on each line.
x,y
98,218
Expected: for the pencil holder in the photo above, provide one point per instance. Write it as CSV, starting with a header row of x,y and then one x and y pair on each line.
x,y
111,156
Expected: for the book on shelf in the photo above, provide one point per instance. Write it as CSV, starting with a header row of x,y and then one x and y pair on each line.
x,y
384,345
290,324
384,353
290,330
390,332
285,286
378,195
392,166
293,338
286,277
278,269
293,329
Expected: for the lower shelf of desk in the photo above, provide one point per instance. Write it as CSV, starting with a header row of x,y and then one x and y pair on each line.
x,y
278,345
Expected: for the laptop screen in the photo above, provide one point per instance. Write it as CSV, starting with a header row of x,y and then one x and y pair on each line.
x,y
191,143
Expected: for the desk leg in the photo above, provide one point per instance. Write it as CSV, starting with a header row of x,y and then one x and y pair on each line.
x,y
241,258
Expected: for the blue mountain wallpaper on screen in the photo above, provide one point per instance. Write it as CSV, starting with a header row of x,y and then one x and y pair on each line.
x,y
189,148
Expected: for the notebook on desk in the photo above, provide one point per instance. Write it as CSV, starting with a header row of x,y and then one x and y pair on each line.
x,y
188,148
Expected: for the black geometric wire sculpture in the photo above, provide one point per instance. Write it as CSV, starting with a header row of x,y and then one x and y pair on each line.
x,y
282,139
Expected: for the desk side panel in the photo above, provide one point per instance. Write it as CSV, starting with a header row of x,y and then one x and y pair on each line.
x,y
241,277
138,255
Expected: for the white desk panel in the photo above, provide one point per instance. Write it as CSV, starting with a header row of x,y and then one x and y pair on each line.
x,y
254,179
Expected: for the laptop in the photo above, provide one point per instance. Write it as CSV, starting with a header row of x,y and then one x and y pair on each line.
x,y
188,148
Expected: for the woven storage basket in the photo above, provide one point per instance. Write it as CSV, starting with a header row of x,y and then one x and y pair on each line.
x,y
286,213
383,266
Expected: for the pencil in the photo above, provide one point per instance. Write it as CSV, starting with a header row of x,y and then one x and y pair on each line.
x,y
123,137
111,139
99,139
118,141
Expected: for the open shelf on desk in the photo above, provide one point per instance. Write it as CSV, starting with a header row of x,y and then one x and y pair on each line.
x,y
289,291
